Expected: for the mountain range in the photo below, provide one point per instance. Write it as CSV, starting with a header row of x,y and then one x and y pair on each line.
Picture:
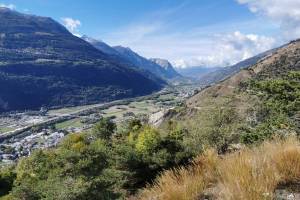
x,y
211,75
196,72
159,67
43,64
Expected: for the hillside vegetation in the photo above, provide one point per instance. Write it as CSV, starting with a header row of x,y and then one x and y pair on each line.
x,y
252,173
43,64
240,114
105,163
248,107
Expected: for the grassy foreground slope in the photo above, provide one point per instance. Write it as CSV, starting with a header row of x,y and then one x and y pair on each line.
x,y
253,173
239,114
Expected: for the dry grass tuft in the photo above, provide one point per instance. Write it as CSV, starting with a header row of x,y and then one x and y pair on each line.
x,y
250,174
247,175
184,183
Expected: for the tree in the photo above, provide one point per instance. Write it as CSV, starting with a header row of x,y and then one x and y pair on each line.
x,y
134,124
147,140
104,129
78,169
147,152
7,177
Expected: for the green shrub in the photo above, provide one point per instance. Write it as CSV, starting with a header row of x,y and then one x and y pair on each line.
x,y
78,169
7,177
280,100
104,129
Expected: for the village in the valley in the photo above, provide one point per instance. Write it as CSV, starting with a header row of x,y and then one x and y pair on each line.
x,y
23,132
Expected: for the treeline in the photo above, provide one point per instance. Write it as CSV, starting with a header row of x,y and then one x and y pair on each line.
x,y
101,164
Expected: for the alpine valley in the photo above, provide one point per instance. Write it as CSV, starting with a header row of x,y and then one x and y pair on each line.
x,y
81,119
43,64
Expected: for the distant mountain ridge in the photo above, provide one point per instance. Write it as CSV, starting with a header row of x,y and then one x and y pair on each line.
x,y
131,57
43,64
225,72
196,72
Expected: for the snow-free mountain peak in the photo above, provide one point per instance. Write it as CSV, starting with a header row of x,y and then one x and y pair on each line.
x,y
166,65
131,57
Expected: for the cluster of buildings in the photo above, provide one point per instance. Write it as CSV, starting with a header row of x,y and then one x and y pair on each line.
x,y
33,130
19,120
17,147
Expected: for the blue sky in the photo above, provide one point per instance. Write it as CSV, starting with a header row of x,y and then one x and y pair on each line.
x,y
187,32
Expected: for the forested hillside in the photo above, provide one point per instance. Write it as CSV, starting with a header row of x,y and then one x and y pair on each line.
x,y
43,64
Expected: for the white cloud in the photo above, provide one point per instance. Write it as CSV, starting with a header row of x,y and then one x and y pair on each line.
x,y
229,49
10,6
72,25
284,12
197,47
217,44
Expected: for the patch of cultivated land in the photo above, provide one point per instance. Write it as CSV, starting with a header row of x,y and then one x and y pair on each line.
x,y
5,129
75,123
117,112
83,117
120,111
13,122
142,107
70,110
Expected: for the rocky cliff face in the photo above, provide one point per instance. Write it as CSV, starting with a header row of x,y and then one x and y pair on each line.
x,y
167,66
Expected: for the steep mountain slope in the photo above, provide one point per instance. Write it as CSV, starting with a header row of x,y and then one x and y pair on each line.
x,y
273,64
223,73
42,64
167,66
126,55
255,103
102,46
144,63
115,56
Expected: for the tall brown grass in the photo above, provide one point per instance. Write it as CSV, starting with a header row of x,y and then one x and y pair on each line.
x,y
185,183
250,174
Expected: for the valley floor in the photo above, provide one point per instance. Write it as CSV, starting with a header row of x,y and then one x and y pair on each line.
x,y
20,133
